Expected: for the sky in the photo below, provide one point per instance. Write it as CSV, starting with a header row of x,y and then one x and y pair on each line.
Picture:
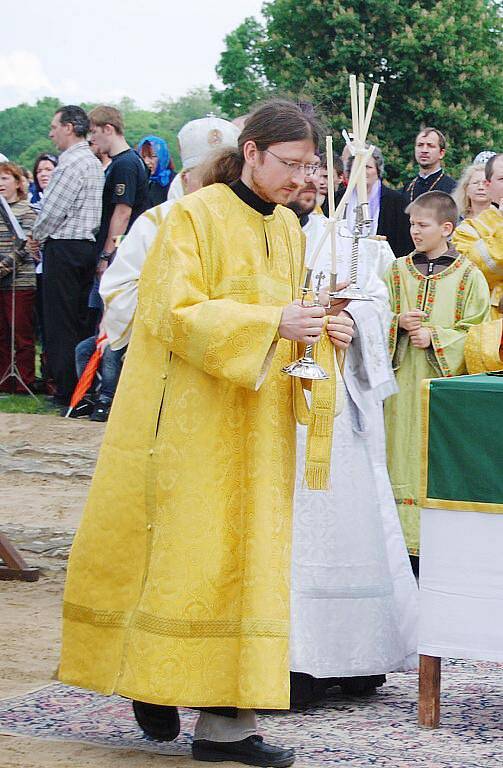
x,y
102,50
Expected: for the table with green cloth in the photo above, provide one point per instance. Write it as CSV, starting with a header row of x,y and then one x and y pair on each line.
x,y
461,566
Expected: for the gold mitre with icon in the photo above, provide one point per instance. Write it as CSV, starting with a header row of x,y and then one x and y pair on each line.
x,y
200,137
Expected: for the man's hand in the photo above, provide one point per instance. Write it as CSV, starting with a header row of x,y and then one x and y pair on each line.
x,y
341,330
337,305
33,247
301,323
421,338
411,321
101,267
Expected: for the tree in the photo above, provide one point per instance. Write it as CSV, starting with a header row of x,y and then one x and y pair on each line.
x,y
437,64
241,69
24,129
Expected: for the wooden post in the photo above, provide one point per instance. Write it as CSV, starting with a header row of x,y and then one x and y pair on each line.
x,y
429,691
12,565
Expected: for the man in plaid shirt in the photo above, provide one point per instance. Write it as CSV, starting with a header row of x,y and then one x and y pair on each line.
x,y
68,220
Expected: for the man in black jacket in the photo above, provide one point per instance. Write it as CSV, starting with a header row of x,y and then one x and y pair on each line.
x,y
429,152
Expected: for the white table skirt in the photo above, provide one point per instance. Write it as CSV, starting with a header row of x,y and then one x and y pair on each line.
x,y
461,585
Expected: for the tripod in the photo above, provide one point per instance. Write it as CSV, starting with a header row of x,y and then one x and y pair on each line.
x,y
13,226
12,371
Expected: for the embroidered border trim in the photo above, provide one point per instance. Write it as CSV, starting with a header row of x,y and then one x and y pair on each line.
x,y
460,293
430,298
393,331
439,353
393,335
157,625
210,628
407,501
98,618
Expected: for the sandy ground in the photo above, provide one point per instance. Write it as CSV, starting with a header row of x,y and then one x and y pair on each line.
x,y
46,465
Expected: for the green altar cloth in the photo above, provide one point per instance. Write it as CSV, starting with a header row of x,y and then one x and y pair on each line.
x,y
462,443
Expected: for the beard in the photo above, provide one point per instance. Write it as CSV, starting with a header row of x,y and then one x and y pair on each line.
x,y
259,189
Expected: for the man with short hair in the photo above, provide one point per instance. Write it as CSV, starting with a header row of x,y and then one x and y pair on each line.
x,y
125,195
429,151
119,284
67,222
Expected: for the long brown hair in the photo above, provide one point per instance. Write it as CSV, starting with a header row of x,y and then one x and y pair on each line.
x,y
274,122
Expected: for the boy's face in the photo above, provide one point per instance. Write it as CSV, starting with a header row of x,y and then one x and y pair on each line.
x,y
427,234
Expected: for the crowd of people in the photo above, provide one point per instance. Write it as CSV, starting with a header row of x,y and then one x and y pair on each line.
x,y
181,589
75,208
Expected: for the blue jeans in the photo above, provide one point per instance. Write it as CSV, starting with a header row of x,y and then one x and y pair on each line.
x,y
110,366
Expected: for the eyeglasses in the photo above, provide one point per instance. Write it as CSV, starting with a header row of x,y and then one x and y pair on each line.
x,y
307,168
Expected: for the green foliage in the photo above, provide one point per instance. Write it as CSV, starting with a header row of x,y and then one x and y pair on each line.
x,y
437,63
241,69
23,129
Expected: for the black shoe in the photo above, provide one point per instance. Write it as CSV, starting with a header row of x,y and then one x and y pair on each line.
x,y
84,407
359,686
159,722
101,411
250,751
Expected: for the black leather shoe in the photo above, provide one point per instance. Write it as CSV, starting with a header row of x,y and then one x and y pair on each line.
x,y
359,686
250,751
159,722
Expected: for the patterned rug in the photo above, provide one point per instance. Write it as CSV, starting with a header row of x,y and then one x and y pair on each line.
x,y
379,730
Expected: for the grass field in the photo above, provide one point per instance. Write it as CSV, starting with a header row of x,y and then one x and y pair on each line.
x,y
25,404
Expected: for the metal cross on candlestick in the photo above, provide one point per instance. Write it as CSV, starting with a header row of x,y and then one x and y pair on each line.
x,y
306,366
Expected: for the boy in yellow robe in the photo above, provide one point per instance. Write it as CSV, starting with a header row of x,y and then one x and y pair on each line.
x,y
436,296
178,581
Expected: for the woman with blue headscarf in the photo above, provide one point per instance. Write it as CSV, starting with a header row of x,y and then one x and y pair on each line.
x,y
156,156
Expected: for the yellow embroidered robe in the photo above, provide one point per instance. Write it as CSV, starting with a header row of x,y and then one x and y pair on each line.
x,y
178,580
484,347
454,300
481,241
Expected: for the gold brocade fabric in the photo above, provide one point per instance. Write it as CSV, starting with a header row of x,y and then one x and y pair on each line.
x,y
178,580
327,402
481,240
483,347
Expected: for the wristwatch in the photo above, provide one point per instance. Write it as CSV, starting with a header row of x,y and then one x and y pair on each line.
x,y
107,255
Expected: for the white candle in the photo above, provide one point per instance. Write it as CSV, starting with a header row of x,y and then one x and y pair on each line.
x,y
370,109
331,201
354,106
361,110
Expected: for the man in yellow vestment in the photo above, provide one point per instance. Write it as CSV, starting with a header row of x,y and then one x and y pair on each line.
x,y
481,238
178,582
